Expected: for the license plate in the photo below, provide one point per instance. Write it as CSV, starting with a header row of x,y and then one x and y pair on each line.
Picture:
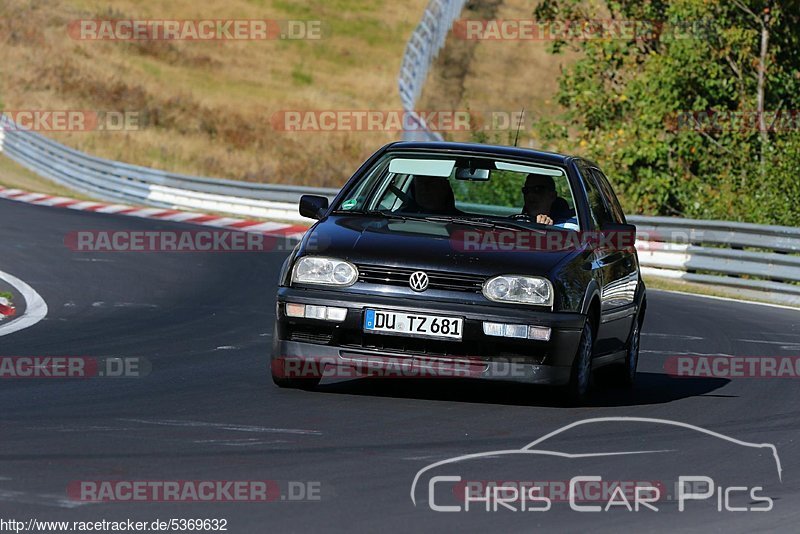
x,y
413,324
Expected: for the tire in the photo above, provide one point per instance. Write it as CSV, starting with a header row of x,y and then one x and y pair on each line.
x,y
625,375
581,375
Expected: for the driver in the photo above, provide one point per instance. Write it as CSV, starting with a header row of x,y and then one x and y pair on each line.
x,y
539,194
543,204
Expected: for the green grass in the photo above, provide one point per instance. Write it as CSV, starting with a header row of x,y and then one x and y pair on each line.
x,y
681,286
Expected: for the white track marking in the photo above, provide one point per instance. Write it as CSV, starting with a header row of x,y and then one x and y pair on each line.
x,y
264,227
39,499
223,426
726,299
687,353
146,212
765,342
35,306
180,217
221,222
675,336
114,208
53,200
84,205
31,197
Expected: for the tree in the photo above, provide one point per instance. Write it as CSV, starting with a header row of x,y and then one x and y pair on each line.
x,y
694,112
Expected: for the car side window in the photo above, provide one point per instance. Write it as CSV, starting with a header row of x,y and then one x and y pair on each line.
x,y
601,214
611,199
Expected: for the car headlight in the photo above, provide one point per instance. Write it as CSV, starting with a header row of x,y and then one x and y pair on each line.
x,y
519,289
324,271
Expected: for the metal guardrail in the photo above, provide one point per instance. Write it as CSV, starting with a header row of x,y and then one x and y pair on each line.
x,y
121,182
424,45
755,260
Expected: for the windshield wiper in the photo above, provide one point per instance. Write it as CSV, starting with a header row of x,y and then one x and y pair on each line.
x,y
472,221
482,222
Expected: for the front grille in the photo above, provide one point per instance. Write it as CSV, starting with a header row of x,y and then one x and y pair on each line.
x,y
420,346
397,276
319,338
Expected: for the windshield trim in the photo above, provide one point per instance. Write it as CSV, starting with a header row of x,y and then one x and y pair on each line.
x,y
565,169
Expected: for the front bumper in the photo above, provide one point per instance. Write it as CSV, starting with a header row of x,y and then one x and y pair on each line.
x,y
324,348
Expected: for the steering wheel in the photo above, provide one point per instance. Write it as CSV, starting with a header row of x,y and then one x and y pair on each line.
x,y
521,217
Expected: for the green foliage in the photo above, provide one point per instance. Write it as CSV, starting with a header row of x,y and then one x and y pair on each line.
x,y
503,189
629,103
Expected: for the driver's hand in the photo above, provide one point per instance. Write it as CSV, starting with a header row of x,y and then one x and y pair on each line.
x,y
544,219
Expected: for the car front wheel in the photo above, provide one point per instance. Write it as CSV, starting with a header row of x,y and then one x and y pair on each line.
x,y
580,381
626,374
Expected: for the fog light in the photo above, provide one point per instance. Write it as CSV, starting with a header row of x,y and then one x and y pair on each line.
x,y
295,310
493,329
516,330
337,314
315,312
539,333
505,330
323,313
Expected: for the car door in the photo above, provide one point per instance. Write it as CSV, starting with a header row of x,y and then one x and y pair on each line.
x,y
615,266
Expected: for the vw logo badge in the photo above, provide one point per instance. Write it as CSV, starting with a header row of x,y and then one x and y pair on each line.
x,y
418,281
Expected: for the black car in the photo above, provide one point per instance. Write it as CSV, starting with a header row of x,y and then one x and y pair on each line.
x,y
450,259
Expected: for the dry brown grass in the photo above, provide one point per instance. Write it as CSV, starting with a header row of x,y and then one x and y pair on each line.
x,y
501,76
208,105
15,176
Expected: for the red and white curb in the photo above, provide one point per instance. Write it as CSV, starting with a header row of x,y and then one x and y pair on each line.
x,y
35,306
6,309
244,225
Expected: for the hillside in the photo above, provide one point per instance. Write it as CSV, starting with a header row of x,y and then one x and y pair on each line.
x,y
207,108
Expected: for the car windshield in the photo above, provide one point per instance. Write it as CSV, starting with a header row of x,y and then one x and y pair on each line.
x,y
478,189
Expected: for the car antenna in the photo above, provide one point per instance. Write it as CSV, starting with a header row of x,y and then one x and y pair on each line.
x,y
519,125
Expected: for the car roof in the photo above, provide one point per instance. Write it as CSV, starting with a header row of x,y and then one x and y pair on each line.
x,y
482,149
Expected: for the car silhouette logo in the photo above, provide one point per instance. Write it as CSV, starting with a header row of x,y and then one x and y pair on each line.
x,y
418,281
534,448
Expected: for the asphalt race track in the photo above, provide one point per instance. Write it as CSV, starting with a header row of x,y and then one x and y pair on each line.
x,y
209,411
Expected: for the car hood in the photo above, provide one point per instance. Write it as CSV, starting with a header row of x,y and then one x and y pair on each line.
x,y
422,244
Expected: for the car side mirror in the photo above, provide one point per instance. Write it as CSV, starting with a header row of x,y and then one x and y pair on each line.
x,y
313,206
618,227
619,236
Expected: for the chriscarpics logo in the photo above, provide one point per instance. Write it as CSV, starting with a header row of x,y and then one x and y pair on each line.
x,y
608,465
